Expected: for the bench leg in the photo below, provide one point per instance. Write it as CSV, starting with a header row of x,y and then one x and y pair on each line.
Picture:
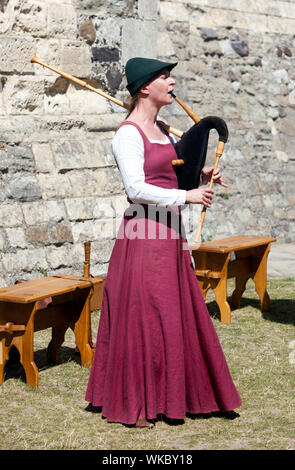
x,y
58,337
220,291
204,286
260,278
241,282
82,330
24,345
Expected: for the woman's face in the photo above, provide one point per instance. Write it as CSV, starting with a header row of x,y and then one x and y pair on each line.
x,y
160,87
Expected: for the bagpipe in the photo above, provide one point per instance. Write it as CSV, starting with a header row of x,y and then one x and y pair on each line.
x,y
191,148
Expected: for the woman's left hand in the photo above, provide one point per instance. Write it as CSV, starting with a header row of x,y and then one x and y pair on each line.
x,y
217,176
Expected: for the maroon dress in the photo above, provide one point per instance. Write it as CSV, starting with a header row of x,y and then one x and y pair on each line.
x,y
157,351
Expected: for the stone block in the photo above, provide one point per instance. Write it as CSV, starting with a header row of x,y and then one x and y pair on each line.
x,y
11,215
15,159
173,11
83,101
89,208
16,54
60,233
100,252
77,154
139,38
49,233
37,234
55,186
2,240
80,208
56,104
93,230
30,18
147,9
104,122
107,28
97,182
16,237
24,95
43,211
277,25
24,260
165,44
105,54
6,17
61,21
103,208
87,31
43,155
76,59
64,256
22,187
49,52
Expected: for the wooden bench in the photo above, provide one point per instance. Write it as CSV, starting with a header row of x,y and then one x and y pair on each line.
x,y
242,257
20,317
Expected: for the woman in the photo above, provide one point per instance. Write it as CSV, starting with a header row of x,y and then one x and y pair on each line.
x,y
157,352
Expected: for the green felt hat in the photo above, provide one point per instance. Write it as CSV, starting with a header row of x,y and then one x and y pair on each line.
x,y
140,71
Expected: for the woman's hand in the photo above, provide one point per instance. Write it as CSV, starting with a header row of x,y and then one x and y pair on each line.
x,y
200,196
217,176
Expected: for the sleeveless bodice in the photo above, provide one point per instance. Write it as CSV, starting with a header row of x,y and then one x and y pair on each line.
x,y
158,168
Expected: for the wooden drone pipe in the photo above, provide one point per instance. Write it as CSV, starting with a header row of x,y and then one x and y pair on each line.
x,y
188,111
219,151
84,84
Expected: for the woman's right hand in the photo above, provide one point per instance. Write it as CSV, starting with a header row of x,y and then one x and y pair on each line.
x,y
200,196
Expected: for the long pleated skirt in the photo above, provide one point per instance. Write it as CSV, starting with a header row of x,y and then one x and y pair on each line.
x,y
157,351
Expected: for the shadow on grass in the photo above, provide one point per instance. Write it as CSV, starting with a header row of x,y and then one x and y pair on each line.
x,y
14,369
281,310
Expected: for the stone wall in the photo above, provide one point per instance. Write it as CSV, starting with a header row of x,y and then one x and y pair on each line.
x,y
59,185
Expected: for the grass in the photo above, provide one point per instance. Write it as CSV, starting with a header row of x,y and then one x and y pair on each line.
x,y
256,346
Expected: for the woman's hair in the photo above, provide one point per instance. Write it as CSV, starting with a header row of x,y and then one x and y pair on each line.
x,y
132,103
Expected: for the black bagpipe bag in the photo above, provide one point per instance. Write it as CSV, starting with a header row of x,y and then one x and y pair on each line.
x,y
192,149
